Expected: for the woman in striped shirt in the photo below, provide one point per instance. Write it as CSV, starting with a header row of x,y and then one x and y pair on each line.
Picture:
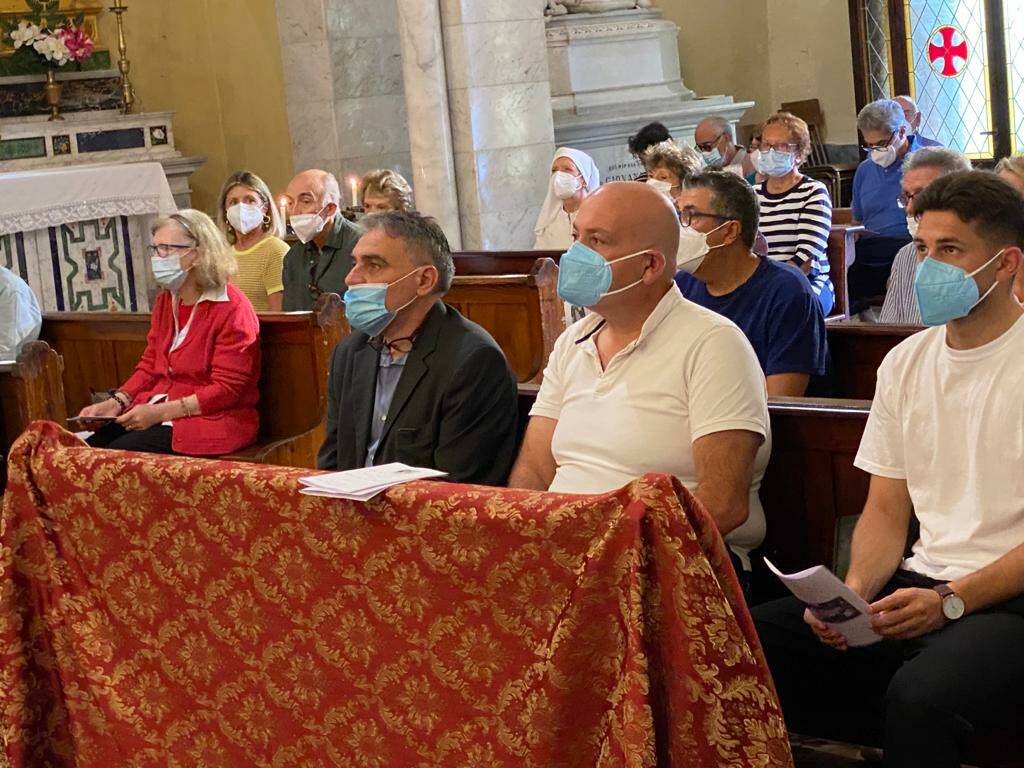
x,y
796,211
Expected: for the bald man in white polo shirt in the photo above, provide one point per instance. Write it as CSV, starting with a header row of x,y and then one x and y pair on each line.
x,y
648,382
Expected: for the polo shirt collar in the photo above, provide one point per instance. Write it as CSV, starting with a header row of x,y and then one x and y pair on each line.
x,y
672,300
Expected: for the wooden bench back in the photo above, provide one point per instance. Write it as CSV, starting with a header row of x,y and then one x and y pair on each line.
x,y
842,240
101,349
30,390
856,350
521,311
811,482
474,263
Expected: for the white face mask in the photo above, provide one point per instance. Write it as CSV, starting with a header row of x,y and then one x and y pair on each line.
x,y
912,225
307,225
245,217
564,185
694,248
665,187
884,157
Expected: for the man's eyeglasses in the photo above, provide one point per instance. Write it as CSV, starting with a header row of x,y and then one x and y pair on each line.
x,y
904,200
707,146
402,346
163,250
880,147
687,215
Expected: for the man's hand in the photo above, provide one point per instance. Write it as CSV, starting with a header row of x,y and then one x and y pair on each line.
x,y
829,636
143,417
908,613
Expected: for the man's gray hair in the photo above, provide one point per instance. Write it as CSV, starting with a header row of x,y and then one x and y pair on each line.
x,y
732,198
720,124
424,240
946,160
882,115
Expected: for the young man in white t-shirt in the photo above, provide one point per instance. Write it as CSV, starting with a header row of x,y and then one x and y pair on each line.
x,y
648,381
945,441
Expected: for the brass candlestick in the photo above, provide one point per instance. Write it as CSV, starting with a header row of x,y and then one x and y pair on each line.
x,y
127,92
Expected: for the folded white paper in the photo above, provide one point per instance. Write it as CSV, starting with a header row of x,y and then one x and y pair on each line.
x,y
832,602
363,484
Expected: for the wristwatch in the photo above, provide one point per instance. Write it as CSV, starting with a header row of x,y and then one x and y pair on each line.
x,y
952,604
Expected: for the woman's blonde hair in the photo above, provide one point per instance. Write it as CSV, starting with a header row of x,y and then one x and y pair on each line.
x,y
389,184
215,264
682,161
1014,165
798,131
272,223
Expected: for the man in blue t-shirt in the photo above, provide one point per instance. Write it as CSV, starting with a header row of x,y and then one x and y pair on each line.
x,y
877,186
772,302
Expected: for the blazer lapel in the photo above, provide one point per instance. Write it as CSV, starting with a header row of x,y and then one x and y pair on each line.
x,y
364,383
415,366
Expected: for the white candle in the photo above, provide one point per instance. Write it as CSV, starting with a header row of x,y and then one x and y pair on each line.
x,y
355,191
284,211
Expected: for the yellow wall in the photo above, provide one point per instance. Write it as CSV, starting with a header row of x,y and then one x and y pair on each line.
x,y
217,65
770,51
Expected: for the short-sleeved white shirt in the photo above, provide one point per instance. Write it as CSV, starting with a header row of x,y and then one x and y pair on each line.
x,y
690,373
951,423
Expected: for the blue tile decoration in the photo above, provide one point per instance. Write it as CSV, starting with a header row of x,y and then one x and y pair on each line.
x,y
104,141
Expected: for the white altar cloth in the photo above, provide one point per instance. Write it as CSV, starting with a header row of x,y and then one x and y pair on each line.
x,y
32,200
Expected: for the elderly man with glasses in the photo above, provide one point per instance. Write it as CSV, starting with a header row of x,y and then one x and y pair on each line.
x,y
714,139
876,187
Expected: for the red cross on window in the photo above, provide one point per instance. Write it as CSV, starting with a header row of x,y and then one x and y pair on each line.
x,y
946,58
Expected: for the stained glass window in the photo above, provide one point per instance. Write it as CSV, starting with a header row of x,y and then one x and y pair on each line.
x,y
948,62
1013,13
876,25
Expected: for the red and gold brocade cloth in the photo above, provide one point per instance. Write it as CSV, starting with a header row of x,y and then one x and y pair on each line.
x,y
163,611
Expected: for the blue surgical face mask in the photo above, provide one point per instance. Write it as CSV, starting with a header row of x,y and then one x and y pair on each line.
x,y
168,273
584,276
366,306
775,163
945,292
712,159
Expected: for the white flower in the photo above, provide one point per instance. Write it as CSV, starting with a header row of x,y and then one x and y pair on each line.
x,y
53,48
25,34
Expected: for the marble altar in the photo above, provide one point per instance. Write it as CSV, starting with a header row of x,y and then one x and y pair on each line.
x,y
79,235
613,71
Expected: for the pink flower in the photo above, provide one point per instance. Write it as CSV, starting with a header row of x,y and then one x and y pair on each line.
x,y
80,46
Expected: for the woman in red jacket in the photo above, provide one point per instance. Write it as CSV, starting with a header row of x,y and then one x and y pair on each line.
x,y
195,389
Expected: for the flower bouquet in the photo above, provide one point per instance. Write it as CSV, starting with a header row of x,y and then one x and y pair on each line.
x,y
66,43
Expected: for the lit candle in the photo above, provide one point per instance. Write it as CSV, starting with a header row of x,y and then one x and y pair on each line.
x,y
284,211
355,191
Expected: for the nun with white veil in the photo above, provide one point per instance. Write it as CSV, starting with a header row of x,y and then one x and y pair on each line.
x,y
573,176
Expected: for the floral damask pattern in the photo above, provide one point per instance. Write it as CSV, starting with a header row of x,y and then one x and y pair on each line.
x,y
178,612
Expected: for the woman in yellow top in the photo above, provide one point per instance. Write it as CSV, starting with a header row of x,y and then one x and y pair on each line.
x,y
253,226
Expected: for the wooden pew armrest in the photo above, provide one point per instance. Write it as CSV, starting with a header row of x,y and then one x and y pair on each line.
x,y
284,451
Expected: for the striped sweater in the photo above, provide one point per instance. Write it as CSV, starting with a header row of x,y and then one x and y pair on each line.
x,y
796,224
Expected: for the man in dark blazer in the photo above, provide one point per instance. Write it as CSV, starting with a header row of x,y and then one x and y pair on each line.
x,y
416,382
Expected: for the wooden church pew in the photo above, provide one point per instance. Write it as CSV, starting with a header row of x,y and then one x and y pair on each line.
x,y
841,250
856,350
521,311
499,262
30,390
101,350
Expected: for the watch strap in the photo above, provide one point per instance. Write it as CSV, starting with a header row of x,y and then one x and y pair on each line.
x,y
944,590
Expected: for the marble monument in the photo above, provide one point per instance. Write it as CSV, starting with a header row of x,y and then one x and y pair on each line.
x,y
614,70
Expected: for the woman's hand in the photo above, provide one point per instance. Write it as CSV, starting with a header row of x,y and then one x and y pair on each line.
x,y
109,408
144,416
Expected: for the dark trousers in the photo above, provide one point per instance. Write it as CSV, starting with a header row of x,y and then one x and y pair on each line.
x,y
924,699
156,439
868,276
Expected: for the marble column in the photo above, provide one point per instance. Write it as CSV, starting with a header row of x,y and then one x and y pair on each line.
x,y
343,85
500,107
426,99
